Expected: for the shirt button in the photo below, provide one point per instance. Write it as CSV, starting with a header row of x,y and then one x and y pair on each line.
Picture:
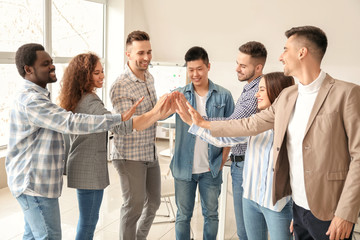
x,y
307,147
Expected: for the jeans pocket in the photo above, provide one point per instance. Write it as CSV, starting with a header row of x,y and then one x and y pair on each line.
x,y
22,199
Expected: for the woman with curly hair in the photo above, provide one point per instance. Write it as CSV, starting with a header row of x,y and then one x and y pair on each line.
x,y
86,167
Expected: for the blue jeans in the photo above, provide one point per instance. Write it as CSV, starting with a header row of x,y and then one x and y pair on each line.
x,y
209,188
237,179
42,217
89,206
259,220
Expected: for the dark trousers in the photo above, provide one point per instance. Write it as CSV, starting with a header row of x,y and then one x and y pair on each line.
x,y
308,227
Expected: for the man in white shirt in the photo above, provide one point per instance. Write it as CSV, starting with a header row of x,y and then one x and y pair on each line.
x,y
195,163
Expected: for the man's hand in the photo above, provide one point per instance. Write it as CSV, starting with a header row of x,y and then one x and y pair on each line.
x,y
128,114
196,118
225,156
163,105
339,229
182,109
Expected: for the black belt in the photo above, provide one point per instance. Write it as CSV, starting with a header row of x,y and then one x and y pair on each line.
x,y
237,158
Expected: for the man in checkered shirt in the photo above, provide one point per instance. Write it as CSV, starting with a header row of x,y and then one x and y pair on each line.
x,y
250,63
134,156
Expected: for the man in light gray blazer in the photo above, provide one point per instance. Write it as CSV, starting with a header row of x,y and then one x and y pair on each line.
x,y
316,140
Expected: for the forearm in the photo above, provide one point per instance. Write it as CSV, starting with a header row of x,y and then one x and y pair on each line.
x,y
252,126
205,135
145,120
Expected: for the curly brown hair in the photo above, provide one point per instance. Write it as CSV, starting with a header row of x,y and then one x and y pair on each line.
x,y
77,80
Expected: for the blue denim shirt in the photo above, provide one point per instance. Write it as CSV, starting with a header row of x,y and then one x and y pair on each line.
x,y
219,103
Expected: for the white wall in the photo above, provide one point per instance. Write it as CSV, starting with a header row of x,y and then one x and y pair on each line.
x,y
222,26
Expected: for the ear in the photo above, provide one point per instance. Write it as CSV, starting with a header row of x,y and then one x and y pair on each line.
x,y
208,66
127,54
28,69
259,68
302,52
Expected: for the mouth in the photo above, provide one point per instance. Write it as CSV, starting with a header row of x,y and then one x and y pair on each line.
x,y
144,64
195,79
52,73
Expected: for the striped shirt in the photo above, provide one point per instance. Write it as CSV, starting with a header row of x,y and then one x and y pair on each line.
x,y
35,159
126,90
245,106
258,168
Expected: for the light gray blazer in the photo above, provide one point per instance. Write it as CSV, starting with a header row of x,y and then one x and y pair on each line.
x,y
87,166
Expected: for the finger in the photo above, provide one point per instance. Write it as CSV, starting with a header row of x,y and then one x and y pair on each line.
x,y
342,234
189,106
348,232
139,101
338,232
181,107
163,98
136,104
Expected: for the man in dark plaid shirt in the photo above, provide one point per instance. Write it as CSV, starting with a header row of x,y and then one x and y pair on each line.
x,y
250,63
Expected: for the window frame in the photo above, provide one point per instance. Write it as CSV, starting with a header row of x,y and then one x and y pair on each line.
x,y
9,57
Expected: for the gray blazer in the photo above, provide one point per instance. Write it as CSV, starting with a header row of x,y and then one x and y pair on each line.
x,y
87,166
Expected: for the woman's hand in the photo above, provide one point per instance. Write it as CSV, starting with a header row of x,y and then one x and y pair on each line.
x,y
128,114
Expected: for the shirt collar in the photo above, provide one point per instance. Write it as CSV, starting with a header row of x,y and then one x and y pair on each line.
x,y
252,84
314,86
133,77
30,85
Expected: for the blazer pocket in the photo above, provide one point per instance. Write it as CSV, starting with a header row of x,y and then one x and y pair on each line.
x,y
336,176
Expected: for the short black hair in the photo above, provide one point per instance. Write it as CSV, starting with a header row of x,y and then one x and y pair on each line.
x,y
196,53
26,55
314,35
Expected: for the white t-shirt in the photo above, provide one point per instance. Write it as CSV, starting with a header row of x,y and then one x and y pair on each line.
x,y
295,136
201,160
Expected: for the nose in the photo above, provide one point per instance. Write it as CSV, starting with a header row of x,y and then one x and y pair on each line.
x,y
196,73
147,57
257,94
281,57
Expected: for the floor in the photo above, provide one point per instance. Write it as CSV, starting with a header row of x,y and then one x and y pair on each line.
x,y
11,217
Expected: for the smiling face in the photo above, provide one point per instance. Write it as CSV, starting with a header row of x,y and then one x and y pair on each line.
x,y
139,54
198,72
289,57
262,96
43,70
245,67
98,75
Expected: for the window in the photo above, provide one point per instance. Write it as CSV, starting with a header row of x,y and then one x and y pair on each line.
x,y
65,28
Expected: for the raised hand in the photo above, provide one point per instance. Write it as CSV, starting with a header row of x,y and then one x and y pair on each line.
x,y
197,119
128,114
162,105
182,108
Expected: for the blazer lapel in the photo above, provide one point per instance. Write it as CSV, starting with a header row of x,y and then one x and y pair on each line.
x,y
289,108
323,92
